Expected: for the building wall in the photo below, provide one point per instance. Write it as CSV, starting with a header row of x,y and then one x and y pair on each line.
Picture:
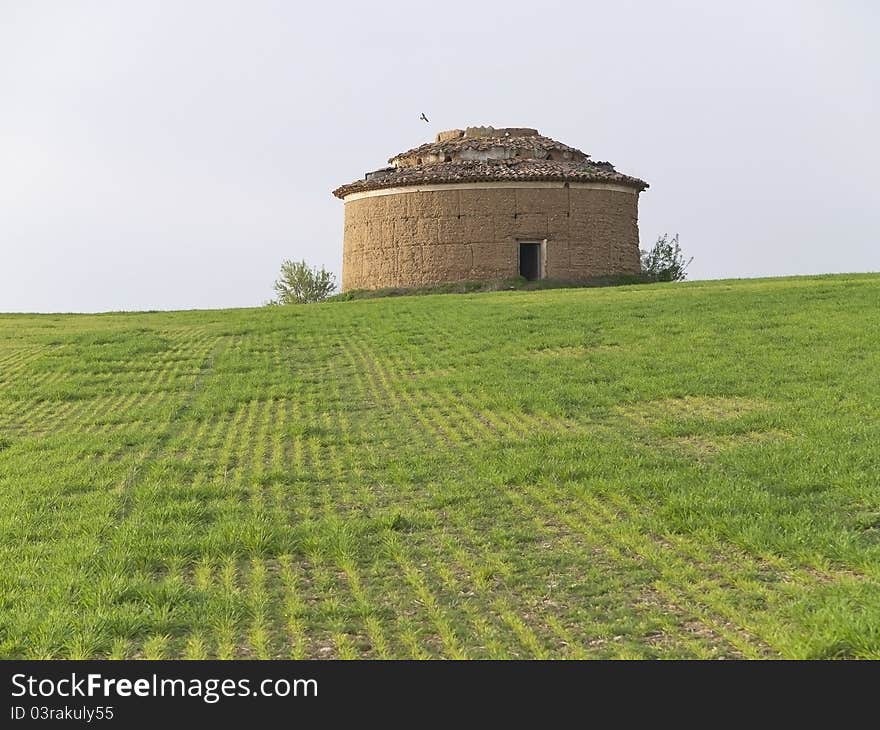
x,y
443,233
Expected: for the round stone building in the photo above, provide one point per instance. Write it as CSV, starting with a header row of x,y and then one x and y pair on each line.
x,y
484,204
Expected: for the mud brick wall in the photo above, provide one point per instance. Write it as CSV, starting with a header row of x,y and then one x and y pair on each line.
x,y
467,233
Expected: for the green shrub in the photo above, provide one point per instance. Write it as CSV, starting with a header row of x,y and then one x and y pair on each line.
x,y
665,261
299,283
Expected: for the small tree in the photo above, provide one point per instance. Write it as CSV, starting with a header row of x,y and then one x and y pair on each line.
x,y
665,261
299,283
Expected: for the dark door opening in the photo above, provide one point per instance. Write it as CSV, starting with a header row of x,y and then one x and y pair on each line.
x,y
530,260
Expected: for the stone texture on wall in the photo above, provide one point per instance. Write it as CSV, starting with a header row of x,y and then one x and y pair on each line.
x,y
418,238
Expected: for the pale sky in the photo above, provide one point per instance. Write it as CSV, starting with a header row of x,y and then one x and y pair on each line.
x,y
169,154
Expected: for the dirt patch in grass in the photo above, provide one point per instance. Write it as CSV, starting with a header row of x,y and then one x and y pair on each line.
x,y
704,426
682,626
709,445
565,351
710,408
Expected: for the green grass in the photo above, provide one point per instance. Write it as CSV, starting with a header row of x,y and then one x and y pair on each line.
x,y
685,470
518,283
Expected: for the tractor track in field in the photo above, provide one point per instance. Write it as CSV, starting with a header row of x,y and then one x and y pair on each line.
x,y
176,425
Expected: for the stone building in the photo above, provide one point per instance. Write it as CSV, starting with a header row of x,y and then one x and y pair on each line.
x,y
485,204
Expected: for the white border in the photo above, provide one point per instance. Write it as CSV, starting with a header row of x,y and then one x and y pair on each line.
x,y
524,184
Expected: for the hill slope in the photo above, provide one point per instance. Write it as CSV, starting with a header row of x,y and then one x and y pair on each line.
x,y
677,471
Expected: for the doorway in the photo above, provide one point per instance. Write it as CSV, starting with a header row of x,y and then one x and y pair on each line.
x,y
530,262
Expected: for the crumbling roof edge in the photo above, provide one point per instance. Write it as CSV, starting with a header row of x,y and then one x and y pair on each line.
x,y
393,181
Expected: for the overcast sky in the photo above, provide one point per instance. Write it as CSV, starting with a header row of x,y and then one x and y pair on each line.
x,y
159,155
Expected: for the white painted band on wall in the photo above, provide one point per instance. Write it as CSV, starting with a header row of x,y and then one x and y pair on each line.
x,y
524,184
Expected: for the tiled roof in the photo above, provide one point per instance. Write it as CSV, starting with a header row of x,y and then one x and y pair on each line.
x,y
484,154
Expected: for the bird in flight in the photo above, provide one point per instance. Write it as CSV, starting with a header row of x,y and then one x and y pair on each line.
x,y
424,118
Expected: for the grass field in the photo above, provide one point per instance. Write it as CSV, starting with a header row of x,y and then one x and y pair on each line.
x,y
651,471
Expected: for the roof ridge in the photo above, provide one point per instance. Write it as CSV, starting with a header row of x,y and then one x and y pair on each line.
x,y
522,140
